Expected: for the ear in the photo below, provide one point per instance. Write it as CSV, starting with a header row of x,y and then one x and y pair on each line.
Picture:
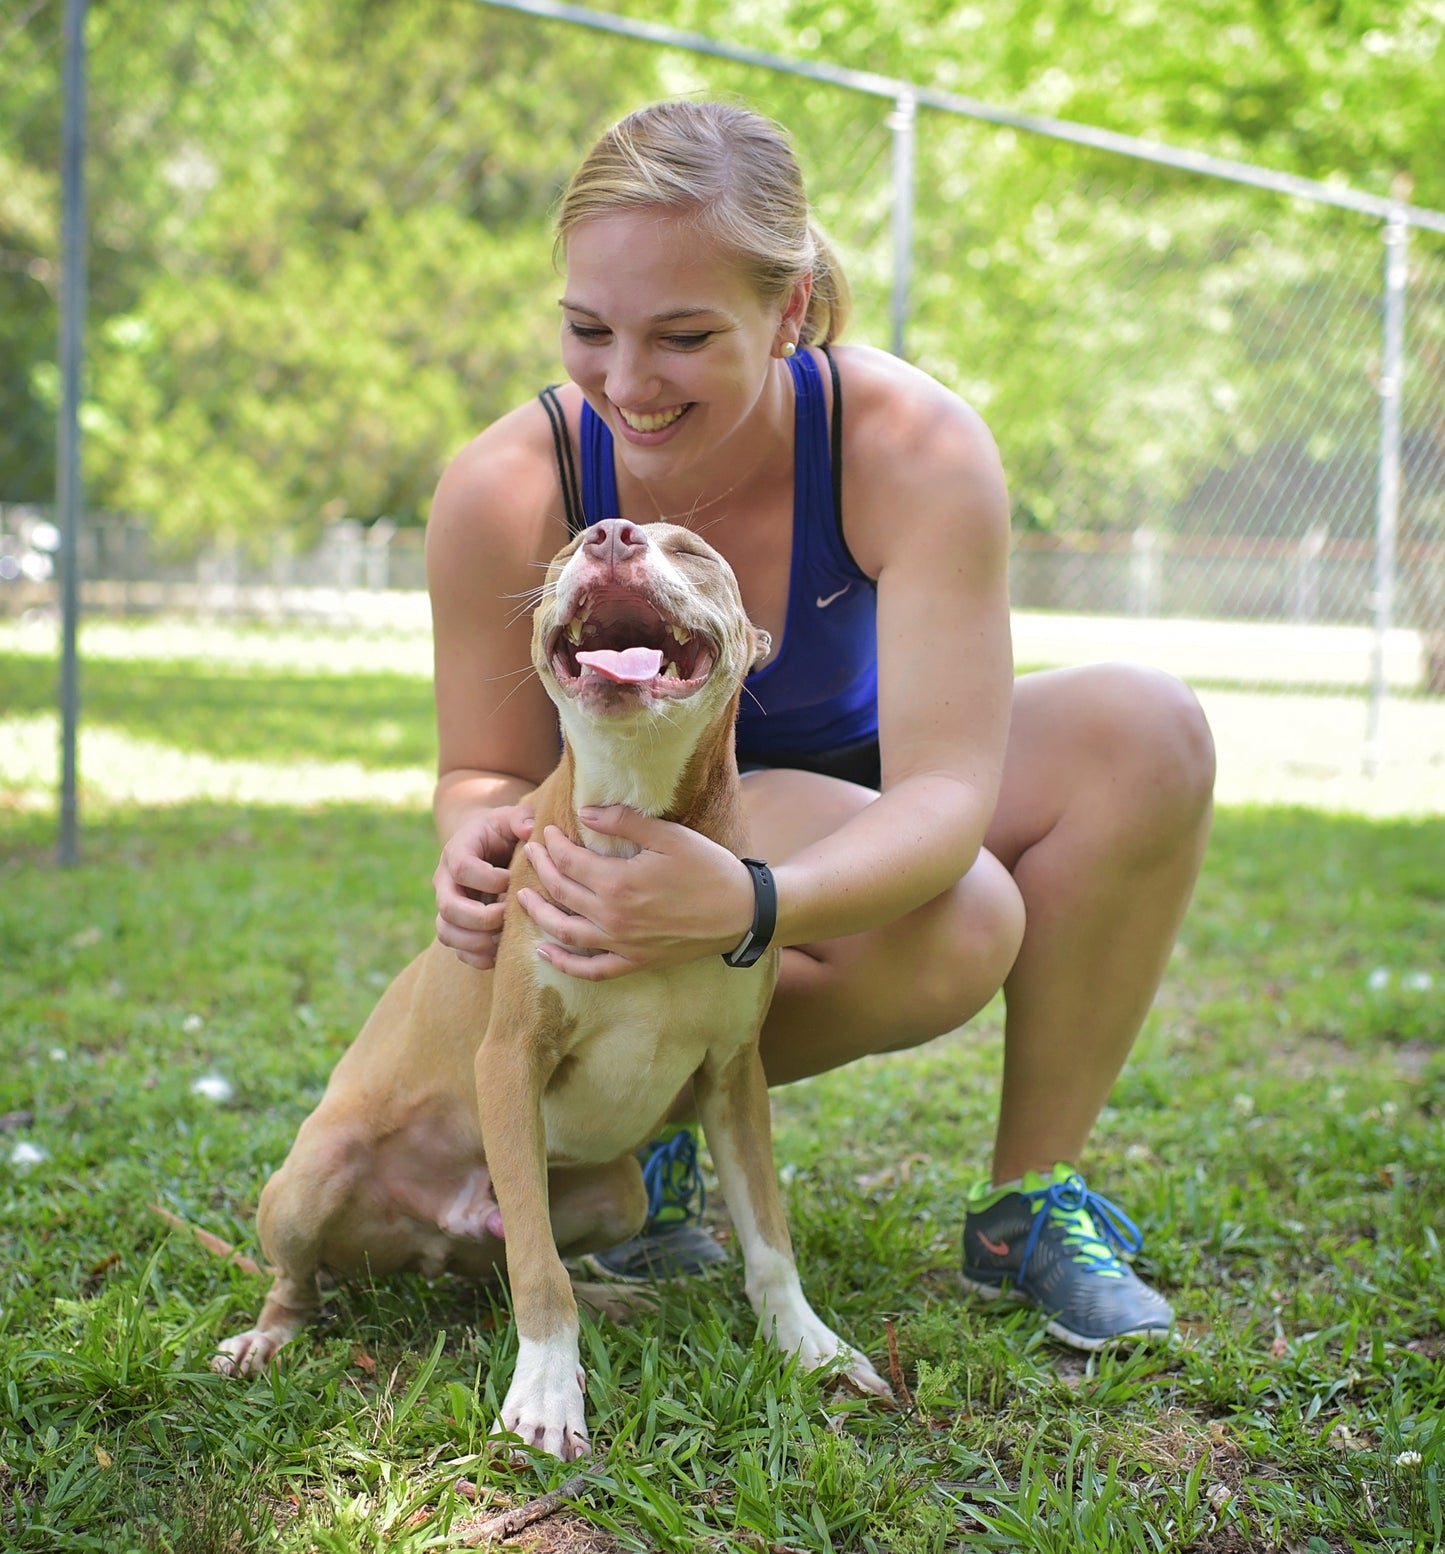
x,y
762,646
795,308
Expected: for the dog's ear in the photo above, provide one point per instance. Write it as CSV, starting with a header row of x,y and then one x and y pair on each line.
x,y
762,646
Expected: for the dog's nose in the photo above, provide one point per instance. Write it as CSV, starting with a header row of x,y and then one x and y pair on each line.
x,y
614,540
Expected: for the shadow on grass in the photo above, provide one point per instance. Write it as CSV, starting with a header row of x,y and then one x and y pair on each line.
x,y
377,720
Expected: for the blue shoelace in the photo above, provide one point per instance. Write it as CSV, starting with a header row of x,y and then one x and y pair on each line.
x,y
1113,1229
673,1177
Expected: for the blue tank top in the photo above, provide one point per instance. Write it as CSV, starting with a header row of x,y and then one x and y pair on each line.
x,y
819,692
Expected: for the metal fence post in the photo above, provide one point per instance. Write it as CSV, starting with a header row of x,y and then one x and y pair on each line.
x,y
902,122
1387,498
69,495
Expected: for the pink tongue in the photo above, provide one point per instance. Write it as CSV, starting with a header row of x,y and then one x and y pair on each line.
x,y
629,667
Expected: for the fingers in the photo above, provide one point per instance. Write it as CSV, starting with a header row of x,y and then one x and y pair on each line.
x,y
574,944
562,869
470,910
470,873
472,879
476,946
630,824
600,967
569,929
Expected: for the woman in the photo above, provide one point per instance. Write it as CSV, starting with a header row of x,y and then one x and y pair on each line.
x,y
936,830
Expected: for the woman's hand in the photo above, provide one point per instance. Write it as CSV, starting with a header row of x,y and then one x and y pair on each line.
x,y
471,881
680,898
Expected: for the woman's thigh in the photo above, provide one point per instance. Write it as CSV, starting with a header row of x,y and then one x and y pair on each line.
x,y
894,986
1122,751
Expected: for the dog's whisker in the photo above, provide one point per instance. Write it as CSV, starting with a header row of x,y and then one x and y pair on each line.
x,y
535,593
710,524
526,674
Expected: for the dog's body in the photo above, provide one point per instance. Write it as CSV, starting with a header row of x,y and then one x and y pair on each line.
x,y
561,1077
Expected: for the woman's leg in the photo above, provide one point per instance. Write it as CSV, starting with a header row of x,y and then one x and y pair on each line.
x,y
1092,855
892,987
1102,820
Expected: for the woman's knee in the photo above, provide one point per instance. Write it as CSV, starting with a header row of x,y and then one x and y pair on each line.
x,y
1156,743
962,959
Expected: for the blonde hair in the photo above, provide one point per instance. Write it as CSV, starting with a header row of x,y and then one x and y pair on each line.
x,y
736,172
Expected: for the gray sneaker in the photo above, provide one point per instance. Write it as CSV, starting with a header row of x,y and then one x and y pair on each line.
x,y
673,1244
1054,1243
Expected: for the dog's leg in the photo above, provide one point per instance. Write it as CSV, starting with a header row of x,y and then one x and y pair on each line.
x,y
595,1207
299,1201
733,1106
544,1405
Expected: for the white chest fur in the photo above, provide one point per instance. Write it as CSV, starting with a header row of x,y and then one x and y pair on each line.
x,y
634,1043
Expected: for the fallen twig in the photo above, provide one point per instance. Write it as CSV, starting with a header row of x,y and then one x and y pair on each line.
x,y
895,1366
211,1242
505,1523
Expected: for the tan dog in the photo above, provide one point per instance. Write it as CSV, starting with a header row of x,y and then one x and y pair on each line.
x,y
475,1102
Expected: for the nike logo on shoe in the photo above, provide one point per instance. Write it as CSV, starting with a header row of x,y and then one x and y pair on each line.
x,y
998,1248
823,603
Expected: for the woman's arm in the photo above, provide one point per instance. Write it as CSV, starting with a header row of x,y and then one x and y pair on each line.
x,y
927,515
926,512
491,531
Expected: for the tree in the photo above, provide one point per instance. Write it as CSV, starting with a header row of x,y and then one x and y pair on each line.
x,y
320,245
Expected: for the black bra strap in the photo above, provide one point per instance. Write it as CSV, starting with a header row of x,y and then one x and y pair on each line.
x,y
566,468
835,457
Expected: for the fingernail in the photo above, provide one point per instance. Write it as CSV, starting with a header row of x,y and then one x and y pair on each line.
x,y
588,812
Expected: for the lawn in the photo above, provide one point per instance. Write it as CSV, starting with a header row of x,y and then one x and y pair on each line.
x,y
169,1011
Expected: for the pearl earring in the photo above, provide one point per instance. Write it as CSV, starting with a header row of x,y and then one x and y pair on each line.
x,y
789,349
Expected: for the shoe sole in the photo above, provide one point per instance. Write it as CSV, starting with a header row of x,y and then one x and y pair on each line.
x,y
1084,1342
595,1265
593,1262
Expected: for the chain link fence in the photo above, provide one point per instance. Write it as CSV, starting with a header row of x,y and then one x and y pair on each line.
x,y
319,260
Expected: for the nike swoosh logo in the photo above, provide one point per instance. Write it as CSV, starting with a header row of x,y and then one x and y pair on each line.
x,y
998,1248
824,603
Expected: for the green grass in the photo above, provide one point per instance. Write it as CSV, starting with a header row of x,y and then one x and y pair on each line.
x,y
372,718
1280,1136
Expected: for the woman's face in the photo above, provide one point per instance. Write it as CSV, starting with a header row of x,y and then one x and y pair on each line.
x,y
665,336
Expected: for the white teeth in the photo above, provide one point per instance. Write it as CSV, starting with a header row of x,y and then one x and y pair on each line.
x,y
574,630
587,670
671,673
651,422
683,635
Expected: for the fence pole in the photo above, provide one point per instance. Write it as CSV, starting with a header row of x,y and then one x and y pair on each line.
x,y
69,495
902,122
1387,489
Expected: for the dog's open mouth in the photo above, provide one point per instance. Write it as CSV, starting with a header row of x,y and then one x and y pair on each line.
x,y
624,640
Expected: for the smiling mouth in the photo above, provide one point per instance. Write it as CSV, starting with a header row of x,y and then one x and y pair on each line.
x,y
653,420
625,640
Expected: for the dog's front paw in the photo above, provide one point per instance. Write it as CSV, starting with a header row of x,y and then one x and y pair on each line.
x,y
860,1372
247,1353
544,1407
805,1334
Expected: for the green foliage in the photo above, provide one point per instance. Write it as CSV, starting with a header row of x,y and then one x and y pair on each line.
x,y
320,256
1277,1134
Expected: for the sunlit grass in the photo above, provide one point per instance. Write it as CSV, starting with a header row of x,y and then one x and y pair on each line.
x,y
1279,1136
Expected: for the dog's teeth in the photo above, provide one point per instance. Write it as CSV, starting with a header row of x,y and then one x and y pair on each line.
x,y
671,673
683,635
574,630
